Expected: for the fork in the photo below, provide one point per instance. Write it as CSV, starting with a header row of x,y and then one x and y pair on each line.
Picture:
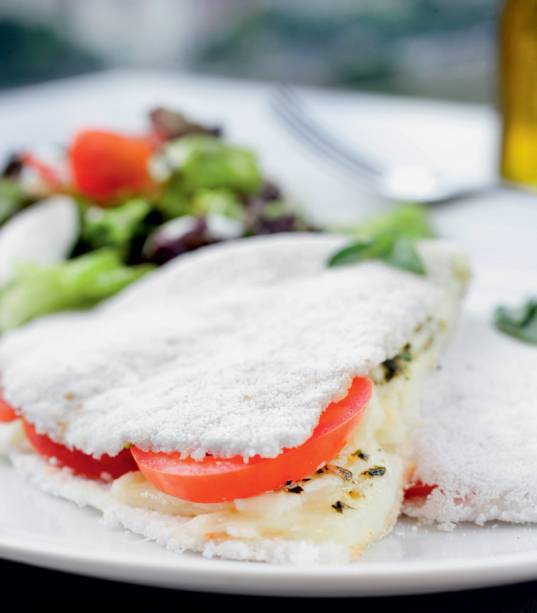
x,y
403,183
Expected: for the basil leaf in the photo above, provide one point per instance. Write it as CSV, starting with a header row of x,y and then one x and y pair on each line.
x,y
351,254
406,220
520,322
398,252
390,238
405,256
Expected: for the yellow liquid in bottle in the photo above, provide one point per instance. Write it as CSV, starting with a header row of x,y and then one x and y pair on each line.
x,y
518,70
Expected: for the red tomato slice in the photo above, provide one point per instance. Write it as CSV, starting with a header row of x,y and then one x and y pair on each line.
x,y
7,412
217,480
106,165
104,468
419,490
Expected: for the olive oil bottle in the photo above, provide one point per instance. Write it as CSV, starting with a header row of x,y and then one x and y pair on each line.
x,y
518,93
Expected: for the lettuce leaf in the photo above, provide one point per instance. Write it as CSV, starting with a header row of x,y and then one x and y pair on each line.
x,y
217,201
114,227
208,162
74,284
12,198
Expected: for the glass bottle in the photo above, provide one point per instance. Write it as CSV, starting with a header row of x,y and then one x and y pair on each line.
x,y
518,93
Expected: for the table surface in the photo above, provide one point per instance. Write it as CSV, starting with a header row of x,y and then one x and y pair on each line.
x,y
413,130
43,583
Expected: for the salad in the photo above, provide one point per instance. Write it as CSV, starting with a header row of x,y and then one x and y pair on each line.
x,y
77,229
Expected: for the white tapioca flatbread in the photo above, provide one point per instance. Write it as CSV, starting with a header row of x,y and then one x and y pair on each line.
x,y
477,440
236,349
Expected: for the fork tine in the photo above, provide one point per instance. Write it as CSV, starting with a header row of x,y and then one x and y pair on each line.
x,y
329,143
305,136
288,106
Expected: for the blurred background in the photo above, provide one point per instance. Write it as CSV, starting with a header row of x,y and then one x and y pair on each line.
x,y
432,48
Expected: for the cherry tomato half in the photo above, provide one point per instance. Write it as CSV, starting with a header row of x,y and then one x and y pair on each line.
x,y
106,165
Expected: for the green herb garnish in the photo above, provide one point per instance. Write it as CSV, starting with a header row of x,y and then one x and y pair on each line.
x,y
406,353
407,220
361,454
391,368
340,506
397,252
405,256
374,471
520,322
390,238
343,473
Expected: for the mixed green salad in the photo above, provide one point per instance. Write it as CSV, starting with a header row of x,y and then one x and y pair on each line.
x,y
79,227
139,200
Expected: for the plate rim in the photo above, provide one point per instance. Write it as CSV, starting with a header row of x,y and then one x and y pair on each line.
x,y
372,578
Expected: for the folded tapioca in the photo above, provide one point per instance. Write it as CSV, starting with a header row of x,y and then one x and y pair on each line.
x,y
245,401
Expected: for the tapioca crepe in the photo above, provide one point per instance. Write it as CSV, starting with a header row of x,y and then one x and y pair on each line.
x,y
237,351
477,438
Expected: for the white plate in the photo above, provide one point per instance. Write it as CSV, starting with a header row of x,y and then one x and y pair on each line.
x,y
48,532
41,530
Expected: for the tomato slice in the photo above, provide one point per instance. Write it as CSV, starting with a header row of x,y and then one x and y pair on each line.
x,y
216,480
107,165
7,413
419,490
104,468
